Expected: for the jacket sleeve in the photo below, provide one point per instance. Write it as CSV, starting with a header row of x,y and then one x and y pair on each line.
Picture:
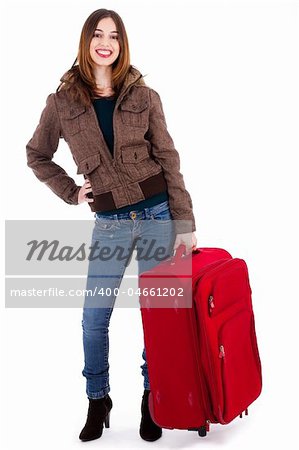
x,y
40,150
166,155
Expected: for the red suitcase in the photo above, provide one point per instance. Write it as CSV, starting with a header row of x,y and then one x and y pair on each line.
x,y
203,360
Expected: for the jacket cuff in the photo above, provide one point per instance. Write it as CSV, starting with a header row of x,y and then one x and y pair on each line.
x,y
184,226
70,195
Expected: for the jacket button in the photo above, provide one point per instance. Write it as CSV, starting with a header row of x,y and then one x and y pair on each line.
x,y
134,106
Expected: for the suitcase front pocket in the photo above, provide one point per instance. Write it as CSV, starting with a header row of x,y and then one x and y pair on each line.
x,y
239,370
231,290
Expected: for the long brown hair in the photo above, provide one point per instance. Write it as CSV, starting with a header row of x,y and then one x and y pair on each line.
x,y
79,80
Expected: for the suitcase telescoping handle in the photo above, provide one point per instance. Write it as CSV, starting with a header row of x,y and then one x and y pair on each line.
x,y
179,253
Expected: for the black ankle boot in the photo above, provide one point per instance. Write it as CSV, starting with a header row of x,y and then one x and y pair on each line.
x,y
149,431
98,412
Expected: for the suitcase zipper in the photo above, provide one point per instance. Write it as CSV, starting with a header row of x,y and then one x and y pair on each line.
x,y
208,425
211,304
219,416
221,352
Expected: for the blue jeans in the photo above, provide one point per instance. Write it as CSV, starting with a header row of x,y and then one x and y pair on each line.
x,y
152,228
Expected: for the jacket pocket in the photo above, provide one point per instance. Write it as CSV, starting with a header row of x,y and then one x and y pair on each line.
x,y
134,113
89,164
134,154
137,161
73,120
97,174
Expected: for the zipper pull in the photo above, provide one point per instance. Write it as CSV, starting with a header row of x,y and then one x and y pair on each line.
x,y
208,425
211,304
221,351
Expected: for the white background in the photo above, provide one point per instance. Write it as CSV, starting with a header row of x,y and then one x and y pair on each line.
x,y
227,74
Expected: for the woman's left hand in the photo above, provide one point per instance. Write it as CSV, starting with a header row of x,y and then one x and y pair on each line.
x,y
187,240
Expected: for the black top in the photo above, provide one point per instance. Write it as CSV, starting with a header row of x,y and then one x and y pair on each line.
x,y
104,107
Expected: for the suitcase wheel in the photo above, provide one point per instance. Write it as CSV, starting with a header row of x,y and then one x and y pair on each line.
x,y
202,431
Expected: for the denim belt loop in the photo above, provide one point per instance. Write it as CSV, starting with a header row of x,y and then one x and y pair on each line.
x,y
147,213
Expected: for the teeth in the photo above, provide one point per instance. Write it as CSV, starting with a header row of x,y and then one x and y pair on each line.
x,y
104,52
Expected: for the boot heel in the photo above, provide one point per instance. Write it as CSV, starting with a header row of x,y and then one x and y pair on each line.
x,y
107,420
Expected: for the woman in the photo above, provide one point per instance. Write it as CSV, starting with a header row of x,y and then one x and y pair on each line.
x,y
116,130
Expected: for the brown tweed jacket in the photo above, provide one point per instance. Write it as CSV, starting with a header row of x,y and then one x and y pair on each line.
x,y
145,161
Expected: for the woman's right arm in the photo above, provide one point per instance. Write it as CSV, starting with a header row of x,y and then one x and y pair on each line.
x,y
40,150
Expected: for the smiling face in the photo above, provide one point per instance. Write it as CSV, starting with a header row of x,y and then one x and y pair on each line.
x,y
104,46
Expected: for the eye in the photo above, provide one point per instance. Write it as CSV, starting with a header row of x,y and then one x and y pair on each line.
x,y
99,35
